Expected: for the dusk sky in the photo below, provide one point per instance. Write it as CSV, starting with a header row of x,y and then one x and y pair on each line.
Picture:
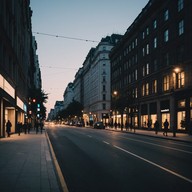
x,y
60,58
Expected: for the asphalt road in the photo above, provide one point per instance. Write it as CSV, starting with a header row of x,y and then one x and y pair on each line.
x,y
94,160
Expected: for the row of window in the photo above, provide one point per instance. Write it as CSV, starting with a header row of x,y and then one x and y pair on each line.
x,y
145,33
146,49
170,82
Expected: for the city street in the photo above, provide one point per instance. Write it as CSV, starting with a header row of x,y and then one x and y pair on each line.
x,y
93,160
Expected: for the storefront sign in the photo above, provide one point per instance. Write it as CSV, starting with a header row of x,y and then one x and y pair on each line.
x,y
7,87
164,110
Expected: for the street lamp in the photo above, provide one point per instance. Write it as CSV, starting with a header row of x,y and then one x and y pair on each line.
x,y
115,93
176,70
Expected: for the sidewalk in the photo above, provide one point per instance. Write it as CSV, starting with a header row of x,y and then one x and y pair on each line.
x,y
179,136
26,164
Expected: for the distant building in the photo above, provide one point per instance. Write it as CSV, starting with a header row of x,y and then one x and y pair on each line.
x,y
51,115
58,107
152,67
37,72
92,84
68,95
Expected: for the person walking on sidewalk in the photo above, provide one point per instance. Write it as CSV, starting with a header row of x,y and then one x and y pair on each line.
x,y
37,127
166,125
19,127
156,126
25,127
8,128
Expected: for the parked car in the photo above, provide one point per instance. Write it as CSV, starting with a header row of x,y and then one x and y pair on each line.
x,y
99,125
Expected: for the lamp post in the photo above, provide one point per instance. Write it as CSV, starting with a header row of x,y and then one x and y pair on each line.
x,y
175,85
115,93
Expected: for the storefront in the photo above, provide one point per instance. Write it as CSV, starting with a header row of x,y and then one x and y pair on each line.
x,y
165,111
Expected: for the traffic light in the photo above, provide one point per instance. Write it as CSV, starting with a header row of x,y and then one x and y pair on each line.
x,y
38,110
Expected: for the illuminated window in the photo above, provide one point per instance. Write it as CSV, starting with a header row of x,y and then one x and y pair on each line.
x,y
181,79
154,86
147,89
181,123
143,90
166,83
181,103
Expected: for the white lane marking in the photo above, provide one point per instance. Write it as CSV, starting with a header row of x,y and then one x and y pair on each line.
x,y
106,142
152,163
180,150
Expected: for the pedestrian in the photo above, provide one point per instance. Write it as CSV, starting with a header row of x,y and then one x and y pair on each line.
x,y
166,125
126,125
149,123
37,127
25,127
19,127
29,127
115,124
156,126
8,128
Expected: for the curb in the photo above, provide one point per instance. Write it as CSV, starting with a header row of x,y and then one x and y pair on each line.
x,y
62,182
156,136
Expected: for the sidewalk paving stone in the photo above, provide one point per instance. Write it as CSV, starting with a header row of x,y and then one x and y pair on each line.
x,y
26,164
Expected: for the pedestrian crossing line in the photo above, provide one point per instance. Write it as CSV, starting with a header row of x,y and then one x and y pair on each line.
x,y
155,164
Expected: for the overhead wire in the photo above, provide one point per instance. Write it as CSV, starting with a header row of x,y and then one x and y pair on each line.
x,y
65,37
58,67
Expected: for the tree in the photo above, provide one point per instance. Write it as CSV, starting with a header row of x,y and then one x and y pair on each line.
x,y
74,109
38,97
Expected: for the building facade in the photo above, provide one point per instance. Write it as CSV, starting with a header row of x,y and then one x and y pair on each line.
x,y
92,84
16,62
152,67
68,95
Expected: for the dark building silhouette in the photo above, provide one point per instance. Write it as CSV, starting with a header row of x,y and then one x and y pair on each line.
x,y
17,65
151,67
